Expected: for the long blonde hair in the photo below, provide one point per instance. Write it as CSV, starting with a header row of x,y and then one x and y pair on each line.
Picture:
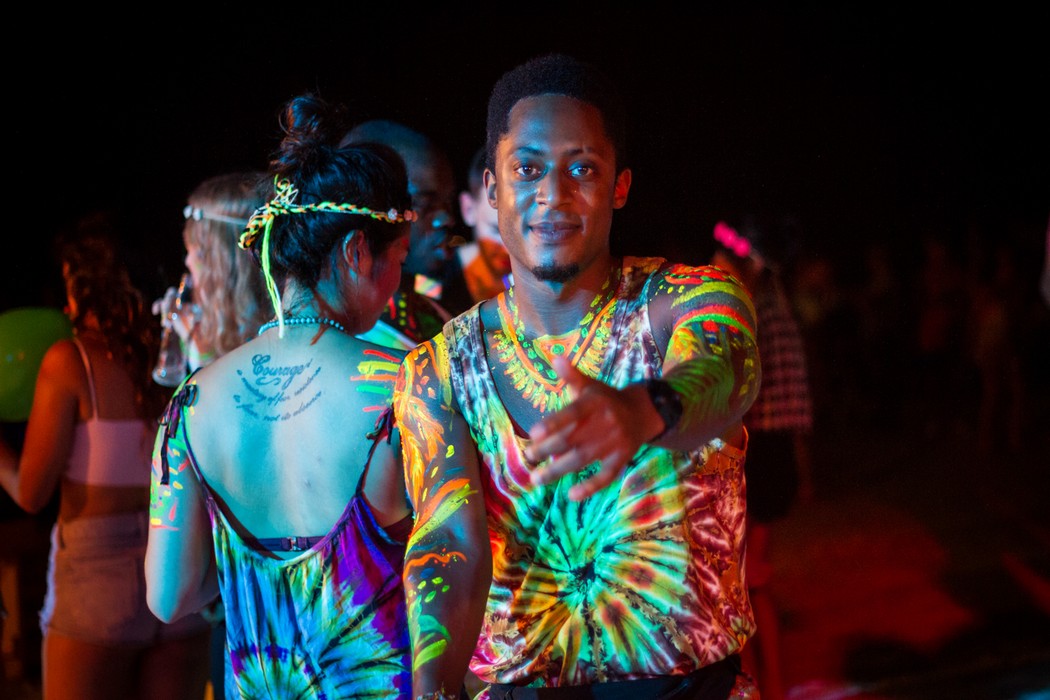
x,y
229,288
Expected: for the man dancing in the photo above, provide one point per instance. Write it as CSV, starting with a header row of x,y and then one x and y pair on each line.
x,y
591,414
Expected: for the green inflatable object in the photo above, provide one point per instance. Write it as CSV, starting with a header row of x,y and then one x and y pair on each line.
x,y
25,335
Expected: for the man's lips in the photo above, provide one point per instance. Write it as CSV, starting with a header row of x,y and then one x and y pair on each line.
x,y
554,230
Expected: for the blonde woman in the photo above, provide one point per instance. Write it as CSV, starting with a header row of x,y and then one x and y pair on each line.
x,y
228,294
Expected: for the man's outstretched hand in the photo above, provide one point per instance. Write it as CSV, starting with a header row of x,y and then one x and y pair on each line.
x,y
600,423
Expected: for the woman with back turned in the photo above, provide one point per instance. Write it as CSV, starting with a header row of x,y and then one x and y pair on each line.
x,y
88,437
276,479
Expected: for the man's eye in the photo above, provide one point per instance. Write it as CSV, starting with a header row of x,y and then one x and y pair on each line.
x,y
582,171
527,172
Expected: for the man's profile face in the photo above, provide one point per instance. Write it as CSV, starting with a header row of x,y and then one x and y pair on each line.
x,y
433,191
555,186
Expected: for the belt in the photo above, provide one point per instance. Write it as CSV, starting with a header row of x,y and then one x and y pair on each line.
x,y
713,681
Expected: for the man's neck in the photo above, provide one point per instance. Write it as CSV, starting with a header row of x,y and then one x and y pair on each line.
x,y
553,308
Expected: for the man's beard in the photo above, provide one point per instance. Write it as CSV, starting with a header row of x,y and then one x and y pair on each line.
x,y
556,273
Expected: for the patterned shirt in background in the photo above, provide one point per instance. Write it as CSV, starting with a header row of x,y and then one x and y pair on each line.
x,y
784,402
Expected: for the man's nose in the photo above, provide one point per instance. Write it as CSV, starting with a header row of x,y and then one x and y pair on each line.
x,y
554,188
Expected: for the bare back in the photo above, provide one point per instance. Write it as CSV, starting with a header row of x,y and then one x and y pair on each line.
x,y
286,440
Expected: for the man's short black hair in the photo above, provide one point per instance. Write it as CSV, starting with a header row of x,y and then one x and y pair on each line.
x,y
557,74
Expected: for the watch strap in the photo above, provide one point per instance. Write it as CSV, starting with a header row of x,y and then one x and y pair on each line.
x,y
667,402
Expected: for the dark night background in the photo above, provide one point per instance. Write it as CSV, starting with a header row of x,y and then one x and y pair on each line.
x,y
860,125
906,575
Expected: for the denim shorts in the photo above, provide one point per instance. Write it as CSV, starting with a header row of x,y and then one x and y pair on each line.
x,y
96,584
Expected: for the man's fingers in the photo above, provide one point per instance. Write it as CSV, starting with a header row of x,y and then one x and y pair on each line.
x,y
577,383
581,433
554,440
567,371
556,422
568,461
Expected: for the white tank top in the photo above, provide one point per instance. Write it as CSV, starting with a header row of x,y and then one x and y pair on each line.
x,y
109,452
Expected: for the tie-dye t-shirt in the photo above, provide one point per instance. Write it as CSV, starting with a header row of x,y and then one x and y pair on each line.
x,y
643,578
329,623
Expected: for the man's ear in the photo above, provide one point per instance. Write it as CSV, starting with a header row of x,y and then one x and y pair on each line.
x,y
620,189
357,256
490,187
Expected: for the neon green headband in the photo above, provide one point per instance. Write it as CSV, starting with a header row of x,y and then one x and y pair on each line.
x,y
283,203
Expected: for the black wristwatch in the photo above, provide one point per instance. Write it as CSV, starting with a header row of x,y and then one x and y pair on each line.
x,y
667,403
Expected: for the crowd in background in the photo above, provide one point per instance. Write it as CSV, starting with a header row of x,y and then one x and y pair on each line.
x,y
941,333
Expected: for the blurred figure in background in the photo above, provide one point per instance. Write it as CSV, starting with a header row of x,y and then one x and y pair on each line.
x,y
483,263
824,314
941,302
89,436
779,423
995,322
423,301
881,311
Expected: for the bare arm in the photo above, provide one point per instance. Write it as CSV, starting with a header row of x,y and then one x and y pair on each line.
x,y
448,564
712,356
31,480
706,322
180,559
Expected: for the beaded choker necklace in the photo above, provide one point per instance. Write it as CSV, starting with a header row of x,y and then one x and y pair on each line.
x,y
302,321
528,362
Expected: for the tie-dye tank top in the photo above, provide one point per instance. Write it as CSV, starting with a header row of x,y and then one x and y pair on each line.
x,y
641,579
327,624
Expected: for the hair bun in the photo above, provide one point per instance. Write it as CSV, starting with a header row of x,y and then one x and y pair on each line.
x,y
312,128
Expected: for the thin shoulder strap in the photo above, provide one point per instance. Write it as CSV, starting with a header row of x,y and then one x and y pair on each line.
x,y
185,395
384,428
90,377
